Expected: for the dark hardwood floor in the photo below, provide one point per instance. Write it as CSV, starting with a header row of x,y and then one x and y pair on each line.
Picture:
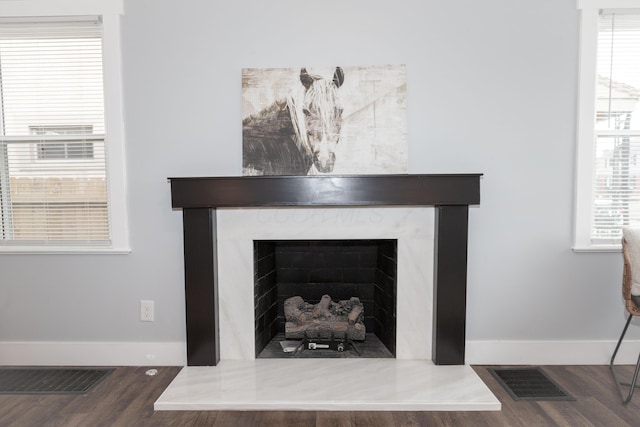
x,y
126,399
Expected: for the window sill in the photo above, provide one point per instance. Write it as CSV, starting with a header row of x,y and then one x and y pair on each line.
x,y
62,250
601,248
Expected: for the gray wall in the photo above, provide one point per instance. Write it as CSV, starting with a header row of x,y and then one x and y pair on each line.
x,y
491,89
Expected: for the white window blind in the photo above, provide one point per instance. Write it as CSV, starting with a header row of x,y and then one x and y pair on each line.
x,y
616,177
53,171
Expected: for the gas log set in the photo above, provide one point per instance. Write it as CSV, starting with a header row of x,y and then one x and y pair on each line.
x,y
325,325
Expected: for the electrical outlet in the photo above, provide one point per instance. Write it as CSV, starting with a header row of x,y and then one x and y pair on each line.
x,y
146,310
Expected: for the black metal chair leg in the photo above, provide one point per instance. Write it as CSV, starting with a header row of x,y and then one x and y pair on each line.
x,y
632,386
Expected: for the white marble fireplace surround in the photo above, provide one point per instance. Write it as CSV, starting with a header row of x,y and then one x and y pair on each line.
x,y
409,382
412,227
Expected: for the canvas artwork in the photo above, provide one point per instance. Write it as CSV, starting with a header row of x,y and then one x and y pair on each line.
x,y
336,120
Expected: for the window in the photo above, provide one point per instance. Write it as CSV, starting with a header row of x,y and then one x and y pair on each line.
x,y
608,177
59,191
63,150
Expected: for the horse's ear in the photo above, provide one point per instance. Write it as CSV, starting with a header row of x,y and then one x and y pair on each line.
x,y
338,77
305,78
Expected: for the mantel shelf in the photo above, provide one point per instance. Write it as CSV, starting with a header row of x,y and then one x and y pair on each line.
x,y
326,190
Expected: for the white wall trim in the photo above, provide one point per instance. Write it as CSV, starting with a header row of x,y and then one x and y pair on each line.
x,y
550,352
174,353
61,7
586,105
93,353
607,4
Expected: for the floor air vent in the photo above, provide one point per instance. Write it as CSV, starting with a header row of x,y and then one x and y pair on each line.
x,y
529,384
51,380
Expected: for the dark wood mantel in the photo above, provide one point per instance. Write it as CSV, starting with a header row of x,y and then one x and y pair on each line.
x,y
450,194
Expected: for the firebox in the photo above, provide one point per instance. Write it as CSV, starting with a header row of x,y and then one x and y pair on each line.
x,y
344,270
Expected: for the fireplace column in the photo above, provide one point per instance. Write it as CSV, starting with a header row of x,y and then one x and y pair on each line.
x,y
450,284
201,286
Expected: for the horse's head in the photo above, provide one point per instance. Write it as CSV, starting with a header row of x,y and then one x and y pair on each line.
x,y
322,116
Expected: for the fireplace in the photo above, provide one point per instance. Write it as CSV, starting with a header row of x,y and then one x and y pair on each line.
x,y
448,195
307,270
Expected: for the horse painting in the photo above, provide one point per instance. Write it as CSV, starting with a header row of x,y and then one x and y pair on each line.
x,y
296,135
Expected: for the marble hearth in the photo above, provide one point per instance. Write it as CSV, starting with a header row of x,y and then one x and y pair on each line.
x,y
319,385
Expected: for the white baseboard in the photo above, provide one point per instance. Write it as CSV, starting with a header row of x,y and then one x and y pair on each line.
x,y
550,352
174,353
93,353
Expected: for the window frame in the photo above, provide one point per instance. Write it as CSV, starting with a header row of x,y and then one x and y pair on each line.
x,y
110,11
586,111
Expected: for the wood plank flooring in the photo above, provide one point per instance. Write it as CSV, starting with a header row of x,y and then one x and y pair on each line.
x,y
126,399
